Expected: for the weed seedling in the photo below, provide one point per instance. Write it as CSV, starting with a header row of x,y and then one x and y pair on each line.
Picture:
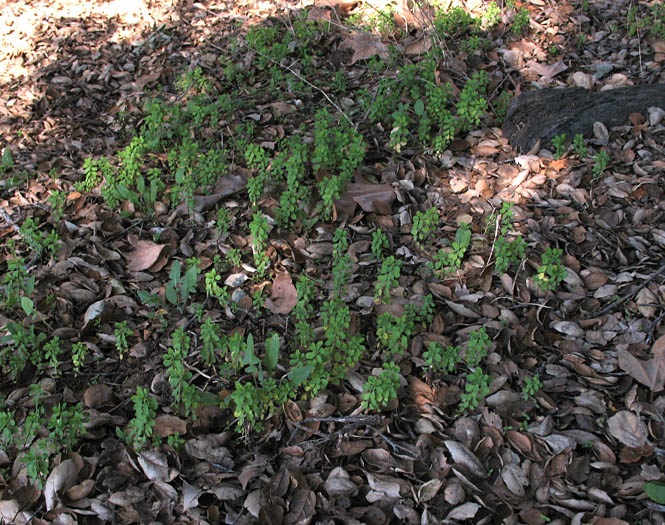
x,y
380,390
559,145
532,386
551,271
140,428
387,278
600,161
521,21
578,145
424,225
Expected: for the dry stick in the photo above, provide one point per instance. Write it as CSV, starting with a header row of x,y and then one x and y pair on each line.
x,y
297,75
613,305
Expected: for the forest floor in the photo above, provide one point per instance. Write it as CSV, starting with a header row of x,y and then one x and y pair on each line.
x,y
276,262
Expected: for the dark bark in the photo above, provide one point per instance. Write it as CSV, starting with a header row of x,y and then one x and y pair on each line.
x,y
546,113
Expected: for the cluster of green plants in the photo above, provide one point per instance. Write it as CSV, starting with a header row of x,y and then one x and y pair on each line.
x,y
476,387
509,248
449,259
654,23
44,432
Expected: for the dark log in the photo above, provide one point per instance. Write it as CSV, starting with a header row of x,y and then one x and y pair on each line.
x,y
545,113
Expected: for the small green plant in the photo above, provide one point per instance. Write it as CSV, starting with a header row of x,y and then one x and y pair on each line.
x,y
551,271
122,331
440,359
399,135
451,259
57,199
554,50
521,21
559,145
180,287
600,162
507,252
213,289
476,348
655,490
636,22
380,390
424,225
387,278
578,145
491,15
476,390
79,350
472,102
581,40
532,386
211,342
223,222
379,243
140,428
183,391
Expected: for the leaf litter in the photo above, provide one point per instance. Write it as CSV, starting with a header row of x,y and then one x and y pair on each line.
x,y
579,449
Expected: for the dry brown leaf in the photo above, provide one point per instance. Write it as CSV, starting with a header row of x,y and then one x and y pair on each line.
x,y
145,254
650,373
364,46
284,296
627,428
61,478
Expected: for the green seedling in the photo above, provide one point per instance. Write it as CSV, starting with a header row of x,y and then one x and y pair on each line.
x,y
551,271
379,243
439,359
578,145
559,145
521,21
380,390
387,278
122,331
600,162
532,386
451,259
424,225
140,429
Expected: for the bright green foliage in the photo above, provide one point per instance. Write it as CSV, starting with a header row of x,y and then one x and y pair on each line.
x,y
338,149
140,428
451,259
247,405
439,359
399,135
65,426
36,239
213,289
508,252
18,346
183,391
491,15
387,278
424,225
16,281
52,351
35,460
180,288
79,350
551,271
475,43
291,166
559,145
380,390
454,22
532,386
655,490
96,170
578,145
393,333
211,342
122,331
57,199
476,390
379,243
472,102
259,228
600,161
521,21
476,348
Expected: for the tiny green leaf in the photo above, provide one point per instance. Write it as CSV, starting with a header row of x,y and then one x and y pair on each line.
x,y
656,491
419,107
27,305
300,374
272,352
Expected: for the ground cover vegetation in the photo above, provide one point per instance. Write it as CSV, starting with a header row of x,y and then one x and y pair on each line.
x,y
281,266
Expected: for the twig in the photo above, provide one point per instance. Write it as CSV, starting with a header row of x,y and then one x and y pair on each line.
x,y
625,298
